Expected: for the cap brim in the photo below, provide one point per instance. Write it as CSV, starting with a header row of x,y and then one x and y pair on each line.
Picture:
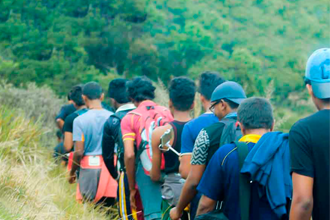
x,y
321,90
236,100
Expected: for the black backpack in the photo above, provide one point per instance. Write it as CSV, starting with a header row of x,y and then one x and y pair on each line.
x,y
230,133
244,190
119,141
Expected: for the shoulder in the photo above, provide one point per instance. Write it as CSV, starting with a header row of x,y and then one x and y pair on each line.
x,y
130,116
202,137
71,117
214,128
226,153
302,125
199,120
161,129
112,121
106,112
83,117
310,120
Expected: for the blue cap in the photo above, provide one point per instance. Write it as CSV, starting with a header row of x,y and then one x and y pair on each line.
x,y
318,72
229,90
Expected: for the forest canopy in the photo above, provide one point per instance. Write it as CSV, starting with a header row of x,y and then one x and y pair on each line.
x,y
255,42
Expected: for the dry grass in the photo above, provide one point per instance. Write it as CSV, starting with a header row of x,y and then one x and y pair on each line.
x,y
161,93
162,98
38,103
32,186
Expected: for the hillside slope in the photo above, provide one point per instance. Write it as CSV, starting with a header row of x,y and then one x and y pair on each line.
x,y
61,43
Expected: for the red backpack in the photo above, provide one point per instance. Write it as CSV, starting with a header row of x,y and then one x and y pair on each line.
x,y
151,118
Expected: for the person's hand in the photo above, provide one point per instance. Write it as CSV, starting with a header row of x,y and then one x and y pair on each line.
x,y
72,178
132,194
174,214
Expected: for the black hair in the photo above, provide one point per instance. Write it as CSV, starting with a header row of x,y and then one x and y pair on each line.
x,y
76,95
208,81
182,93
326,101
140,89
69,95
92,90
231,104
255,113
117,90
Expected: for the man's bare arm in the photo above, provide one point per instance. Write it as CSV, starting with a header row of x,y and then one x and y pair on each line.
x,y
205,205
185,166
68,141
77,156
189,189
60,123
130,162
156,154
155,172
302,202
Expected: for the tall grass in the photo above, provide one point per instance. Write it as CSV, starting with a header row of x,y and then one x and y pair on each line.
x,y
32,186
38,103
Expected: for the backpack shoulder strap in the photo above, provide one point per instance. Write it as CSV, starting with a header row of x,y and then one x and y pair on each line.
x,y
120,149
244,182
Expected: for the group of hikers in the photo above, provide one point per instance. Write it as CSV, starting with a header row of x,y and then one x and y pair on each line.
x,y
158,163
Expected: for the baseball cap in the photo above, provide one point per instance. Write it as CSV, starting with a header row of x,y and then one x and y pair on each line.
x,y
229,90
318,72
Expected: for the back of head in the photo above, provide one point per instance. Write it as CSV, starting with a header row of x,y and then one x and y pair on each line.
x,y
140,89
92,90
118,90
255,113
231,92
69,95
208,81
318,73
76,95
182,93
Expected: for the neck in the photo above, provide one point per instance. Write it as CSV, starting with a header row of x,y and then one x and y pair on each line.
x,y
81,107
324,107
139,103
256,131
118,105
181,116
206,106
95,104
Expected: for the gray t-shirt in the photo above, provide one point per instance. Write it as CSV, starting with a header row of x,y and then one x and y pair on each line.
x,y
89,128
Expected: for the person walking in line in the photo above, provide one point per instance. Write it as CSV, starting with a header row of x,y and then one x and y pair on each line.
x,y
95,183
251,177
310,143
182,93
137,127
225,100
112,146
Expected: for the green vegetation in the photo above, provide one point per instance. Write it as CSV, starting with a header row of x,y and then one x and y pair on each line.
x,y
61,43
55,44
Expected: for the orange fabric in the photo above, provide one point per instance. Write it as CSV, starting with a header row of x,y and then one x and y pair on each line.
x,y
107,186
70,160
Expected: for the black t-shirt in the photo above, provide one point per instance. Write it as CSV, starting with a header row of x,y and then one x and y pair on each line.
x,y
172,162
65,111
68,123
309,144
